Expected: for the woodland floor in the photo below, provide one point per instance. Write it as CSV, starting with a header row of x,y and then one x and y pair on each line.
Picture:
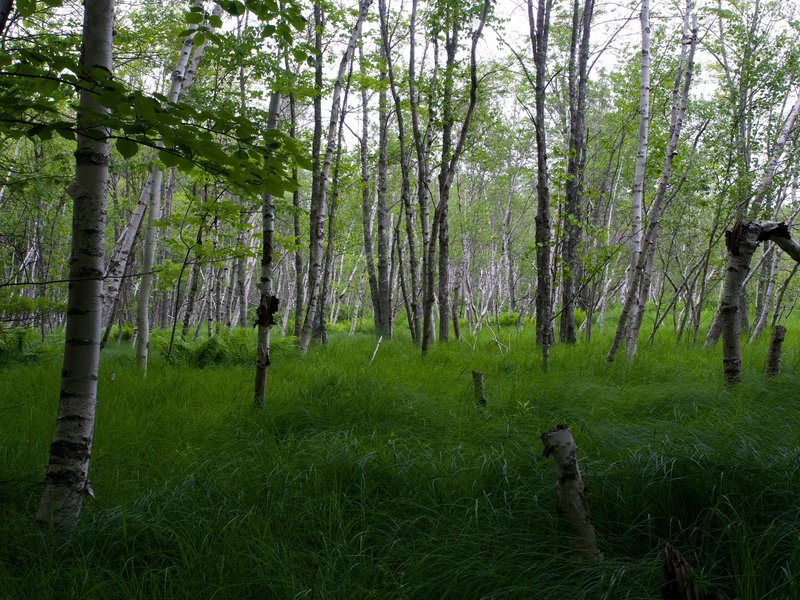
x,y
384,480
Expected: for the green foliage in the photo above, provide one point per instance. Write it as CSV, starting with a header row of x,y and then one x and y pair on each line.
x,y
382,480
508,319
22,305
23,345
229,347
39,81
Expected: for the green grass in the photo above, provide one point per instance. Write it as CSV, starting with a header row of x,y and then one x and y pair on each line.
x,y
385,481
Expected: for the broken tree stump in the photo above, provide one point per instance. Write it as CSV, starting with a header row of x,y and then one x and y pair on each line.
x,y
679,582
572,503
773,366
477,382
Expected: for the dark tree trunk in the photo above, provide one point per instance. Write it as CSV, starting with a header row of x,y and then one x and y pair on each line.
x,y
539,34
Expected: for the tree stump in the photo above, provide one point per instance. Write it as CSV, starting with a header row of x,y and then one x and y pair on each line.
x,y
477,382
572,503
773,366
679,582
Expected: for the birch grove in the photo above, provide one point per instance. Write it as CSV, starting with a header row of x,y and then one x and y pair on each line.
x,y
418,172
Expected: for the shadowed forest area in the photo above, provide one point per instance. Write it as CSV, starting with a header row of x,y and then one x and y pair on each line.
x,y
399,298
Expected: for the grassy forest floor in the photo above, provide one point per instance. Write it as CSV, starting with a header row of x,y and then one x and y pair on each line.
x,y
384,480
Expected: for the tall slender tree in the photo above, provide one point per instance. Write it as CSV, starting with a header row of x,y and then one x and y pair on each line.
x,y
67,479
573,219
638,177
267,305
320,190
539,26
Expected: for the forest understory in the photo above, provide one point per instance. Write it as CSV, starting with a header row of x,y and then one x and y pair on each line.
x,y
381,477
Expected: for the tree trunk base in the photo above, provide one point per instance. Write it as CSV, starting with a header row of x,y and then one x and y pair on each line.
x,y
572,503
773,366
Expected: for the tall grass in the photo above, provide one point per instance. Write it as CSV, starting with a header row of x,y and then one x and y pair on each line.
x,y
384,480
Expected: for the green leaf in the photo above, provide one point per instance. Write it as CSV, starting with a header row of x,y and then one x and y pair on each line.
x,y
199,38
26,7
194,18
184,164
67,134
233,8
168,158
43,132
127,148
215,21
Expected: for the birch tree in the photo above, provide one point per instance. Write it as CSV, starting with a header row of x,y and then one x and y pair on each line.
x,y
268,304
182,76
319,195
405,186
67,478
451,153
638,178
578,83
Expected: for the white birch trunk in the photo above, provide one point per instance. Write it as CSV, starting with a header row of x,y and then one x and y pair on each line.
x,y
267,305
67,481
122,251
177,85
644,265
315,262
638,179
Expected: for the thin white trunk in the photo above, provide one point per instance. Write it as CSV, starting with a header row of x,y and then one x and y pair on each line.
x,y
122,251
316,254
67,481
637,233
267,303
182,76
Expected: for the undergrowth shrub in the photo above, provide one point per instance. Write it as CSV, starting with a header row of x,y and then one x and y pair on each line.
x,y
508,319
229,347
23,345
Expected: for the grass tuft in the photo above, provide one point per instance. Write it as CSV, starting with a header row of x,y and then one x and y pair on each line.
x,y
384,480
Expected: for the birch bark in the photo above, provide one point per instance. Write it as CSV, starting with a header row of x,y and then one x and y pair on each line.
x,y
384,327
715,330
66,480
451,154
267,304
318,220
578,83
186,66
742,242
412,298
638,182
644,266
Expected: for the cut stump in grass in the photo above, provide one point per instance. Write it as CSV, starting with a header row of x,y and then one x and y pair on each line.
x,y
774,353
679,579
572,503
477,382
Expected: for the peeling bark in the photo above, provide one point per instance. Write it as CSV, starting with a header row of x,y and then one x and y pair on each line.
x,y
572,503
267,305
742,242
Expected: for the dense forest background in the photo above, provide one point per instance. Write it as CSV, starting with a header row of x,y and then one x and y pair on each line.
x,y
587,206
428,203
